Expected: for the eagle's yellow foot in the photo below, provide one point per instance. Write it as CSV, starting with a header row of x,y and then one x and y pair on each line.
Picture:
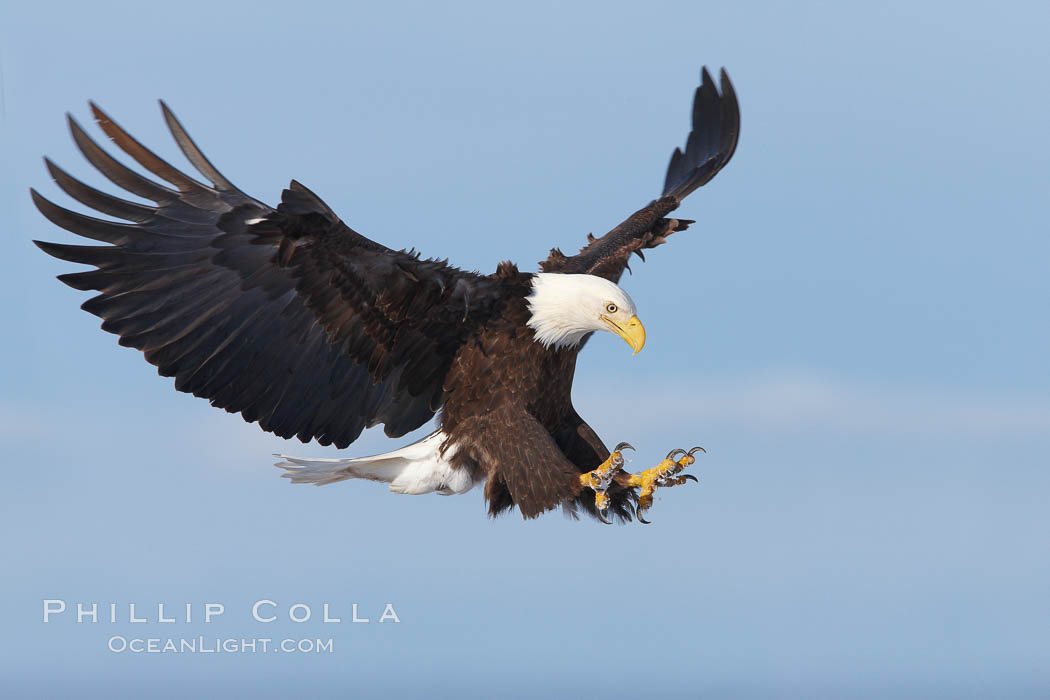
x,y
666,473
601,478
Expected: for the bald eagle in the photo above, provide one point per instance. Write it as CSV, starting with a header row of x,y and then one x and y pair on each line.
x,y
296,321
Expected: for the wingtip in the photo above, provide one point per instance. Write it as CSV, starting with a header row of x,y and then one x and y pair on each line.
x,y
74,126
57,174
726,83
97,112
39,200
52,249
45,206
712,140
191,151
52,170
723,79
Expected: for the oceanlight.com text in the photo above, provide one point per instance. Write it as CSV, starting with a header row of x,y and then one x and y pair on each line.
x,y
119,644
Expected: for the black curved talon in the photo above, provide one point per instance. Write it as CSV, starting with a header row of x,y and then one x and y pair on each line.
x,y
665,474
624,446
601,516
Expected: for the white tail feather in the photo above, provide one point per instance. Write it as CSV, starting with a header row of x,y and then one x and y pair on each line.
x,y
414,469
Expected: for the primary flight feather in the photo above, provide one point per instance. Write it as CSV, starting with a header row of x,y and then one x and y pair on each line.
x,y
291,318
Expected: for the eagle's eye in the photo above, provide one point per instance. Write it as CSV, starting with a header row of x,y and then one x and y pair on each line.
x,y
611,308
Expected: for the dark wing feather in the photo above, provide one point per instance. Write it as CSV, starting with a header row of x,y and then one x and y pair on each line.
x,y
284,315
711,143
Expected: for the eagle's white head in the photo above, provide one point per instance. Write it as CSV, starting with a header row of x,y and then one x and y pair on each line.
x,y
565,308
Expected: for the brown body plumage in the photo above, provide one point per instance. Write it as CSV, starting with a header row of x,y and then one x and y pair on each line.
x,y
510,411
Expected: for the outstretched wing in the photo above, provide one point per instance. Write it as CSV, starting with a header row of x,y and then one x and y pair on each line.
x,y
284,315
716,128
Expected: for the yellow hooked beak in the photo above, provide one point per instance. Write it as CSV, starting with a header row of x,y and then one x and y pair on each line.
x,y
633,332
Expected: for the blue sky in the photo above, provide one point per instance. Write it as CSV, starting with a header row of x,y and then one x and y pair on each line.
x,y
855,329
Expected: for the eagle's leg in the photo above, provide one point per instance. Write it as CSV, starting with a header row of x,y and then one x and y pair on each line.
x,y
666,473
601,479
